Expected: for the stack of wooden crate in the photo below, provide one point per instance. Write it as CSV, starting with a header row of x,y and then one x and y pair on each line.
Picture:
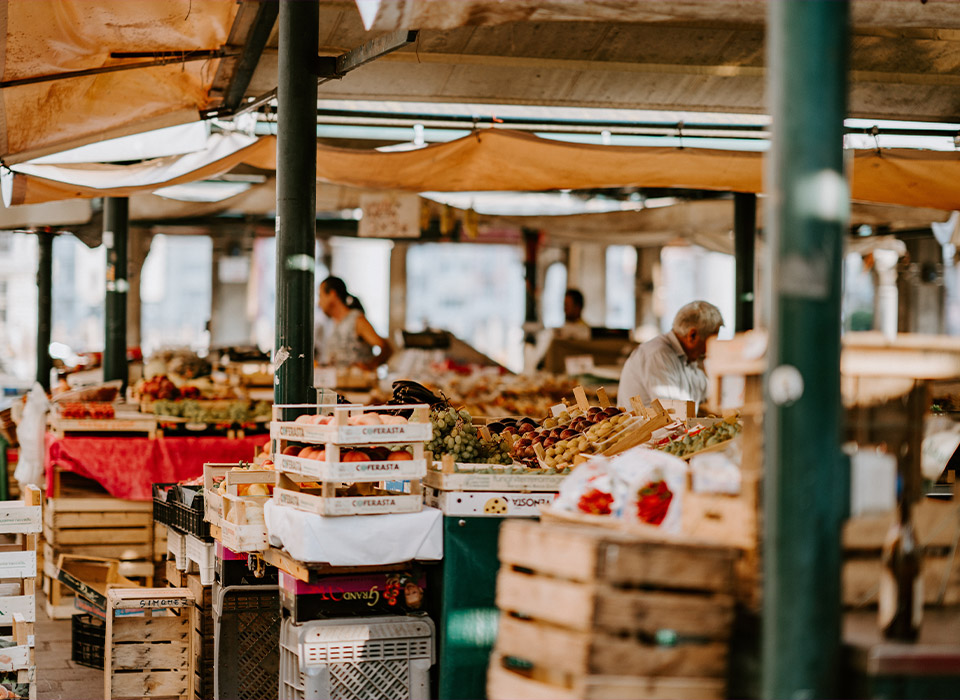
x,y
202,630
20,523
102,526
937,527
588,612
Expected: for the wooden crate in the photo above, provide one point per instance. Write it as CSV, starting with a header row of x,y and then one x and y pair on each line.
x,y
18,559
111,528
175,577
159,542
150,656
323,499
126,425
417,429
203,635
242,527
937,526
234,479
59,600
510,683
333,469
28,677
587,612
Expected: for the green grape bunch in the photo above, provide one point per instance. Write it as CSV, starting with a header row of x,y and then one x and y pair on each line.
x,y
455,434
496,451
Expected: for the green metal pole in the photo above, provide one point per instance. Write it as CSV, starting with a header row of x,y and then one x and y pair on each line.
x,y
744,245
531,241
116,222
4,476
806,482
44,307
296,199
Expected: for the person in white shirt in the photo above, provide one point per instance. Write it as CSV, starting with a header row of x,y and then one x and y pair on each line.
x,y
574,327
670,366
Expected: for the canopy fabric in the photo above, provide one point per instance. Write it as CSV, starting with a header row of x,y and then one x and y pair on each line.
x,y
500,160
32,184
387,15
43,38
259,200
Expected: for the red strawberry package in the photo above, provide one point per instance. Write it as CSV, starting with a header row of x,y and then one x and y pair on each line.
x,y
640,486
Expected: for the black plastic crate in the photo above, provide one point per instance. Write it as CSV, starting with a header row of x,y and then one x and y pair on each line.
x,y
164,496
188,512
88,637
246,641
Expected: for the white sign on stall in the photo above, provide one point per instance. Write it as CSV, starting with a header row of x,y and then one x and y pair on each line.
x,y
390,215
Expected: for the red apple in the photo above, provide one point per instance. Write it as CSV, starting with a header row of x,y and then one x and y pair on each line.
x,y
355,456
400,456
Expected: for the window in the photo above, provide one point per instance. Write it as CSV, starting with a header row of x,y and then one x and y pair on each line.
x,y
621,286
691,273
475,291
175,293
79,286
364,265
554,287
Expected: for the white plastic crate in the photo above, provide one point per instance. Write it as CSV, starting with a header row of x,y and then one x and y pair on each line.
x,y
357,658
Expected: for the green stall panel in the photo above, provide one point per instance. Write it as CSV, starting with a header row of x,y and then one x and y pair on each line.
x,y
463,590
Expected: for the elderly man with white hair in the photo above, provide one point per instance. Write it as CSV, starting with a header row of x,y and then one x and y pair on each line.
x,y
670,366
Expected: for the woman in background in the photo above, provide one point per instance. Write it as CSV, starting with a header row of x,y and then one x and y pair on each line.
x,y
351,341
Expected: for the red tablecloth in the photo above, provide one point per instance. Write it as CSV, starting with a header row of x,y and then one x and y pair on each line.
x,y
126,467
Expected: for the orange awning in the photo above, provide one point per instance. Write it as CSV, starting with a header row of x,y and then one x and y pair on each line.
x,y
57,38
501,160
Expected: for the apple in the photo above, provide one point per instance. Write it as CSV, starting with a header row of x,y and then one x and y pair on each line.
x,y
567,434
355,456
400,456
292,450
305,452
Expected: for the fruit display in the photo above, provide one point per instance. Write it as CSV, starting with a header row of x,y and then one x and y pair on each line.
x,y
367,418
104,393
638,486
364,453
215,411
491,394
178,363
570,433
160,387
96,410
701,438
455,434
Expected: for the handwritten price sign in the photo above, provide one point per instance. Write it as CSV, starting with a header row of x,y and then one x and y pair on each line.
x,y
390,216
